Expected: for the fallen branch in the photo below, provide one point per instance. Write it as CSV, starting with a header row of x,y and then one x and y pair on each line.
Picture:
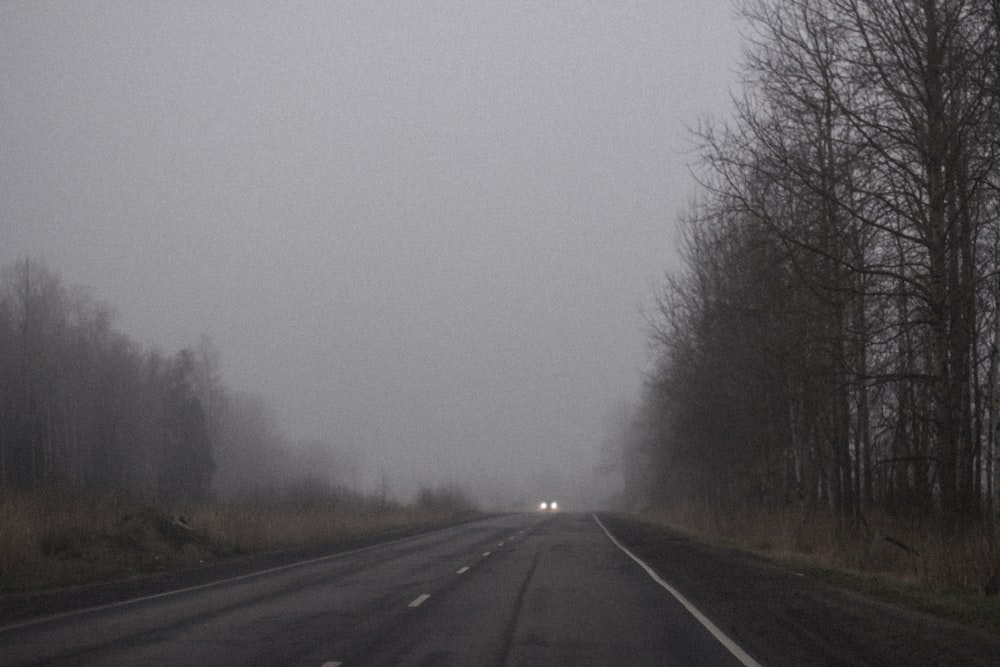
x,y
902,545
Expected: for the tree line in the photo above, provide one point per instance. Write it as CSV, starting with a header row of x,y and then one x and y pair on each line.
x,y
82,405
832,337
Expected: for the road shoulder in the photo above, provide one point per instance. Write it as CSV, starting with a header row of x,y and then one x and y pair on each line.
x,y
20,607
788,619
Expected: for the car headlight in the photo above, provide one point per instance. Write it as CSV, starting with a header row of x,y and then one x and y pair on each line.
x,y
544,506
553,505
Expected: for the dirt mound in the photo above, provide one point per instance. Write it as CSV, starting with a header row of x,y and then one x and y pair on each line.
x,y
144,541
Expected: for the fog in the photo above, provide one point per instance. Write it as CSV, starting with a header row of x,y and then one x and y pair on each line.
x,y
424,231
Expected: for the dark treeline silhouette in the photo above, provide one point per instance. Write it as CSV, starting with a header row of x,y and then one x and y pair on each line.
x,y
832,339
83,406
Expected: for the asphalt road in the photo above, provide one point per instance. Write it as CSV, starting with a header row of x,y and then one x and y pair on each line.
x,y
526,589
520,589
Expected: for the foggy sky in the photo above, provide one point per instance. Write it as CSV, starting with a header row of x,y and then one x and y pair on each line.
x,y
423,230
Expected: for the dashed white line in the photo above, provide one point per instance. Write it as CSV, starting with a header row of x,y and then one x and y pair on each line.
x,y
730,645
420,600
486,553
211,584
501,544
462,570
332,663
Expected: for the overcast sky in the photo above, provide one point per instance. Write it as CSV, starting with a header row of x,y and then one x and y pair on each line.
x,y
424,230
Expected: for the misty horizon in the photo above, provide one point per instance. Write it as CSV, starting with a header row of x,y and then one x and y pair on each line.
x,y
425,233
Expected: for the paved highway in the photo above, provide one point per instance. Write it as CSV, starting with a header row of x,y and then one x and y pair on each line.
x,y
526,589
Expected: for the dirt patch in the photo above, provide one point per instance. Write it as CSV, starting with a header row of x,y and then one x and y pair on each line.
x,y
145,541
150,540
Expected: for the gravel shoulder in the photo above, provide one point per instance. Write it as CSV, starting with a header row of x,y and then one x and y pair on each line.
x,y
784,618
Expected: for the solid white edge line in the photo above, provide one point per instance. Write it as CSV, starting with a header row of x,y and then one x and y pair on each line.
x,y
730,645
210,584
420,600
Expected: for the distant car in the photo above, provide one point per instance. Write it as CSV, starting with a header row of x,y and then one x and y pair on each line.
x,y
549,506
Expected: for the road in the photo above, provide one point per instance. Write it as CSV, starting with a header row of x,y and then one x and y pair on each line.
x,y
520,589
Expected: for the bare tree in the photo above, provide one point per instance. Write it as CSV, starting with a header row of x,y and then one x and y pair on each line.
x,y
832,335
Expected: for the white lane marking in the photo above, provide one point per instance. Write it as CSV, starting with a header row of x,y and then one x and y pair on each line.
x,y
332,663
420,600
501,544
486,553
730,645
462,570
211,584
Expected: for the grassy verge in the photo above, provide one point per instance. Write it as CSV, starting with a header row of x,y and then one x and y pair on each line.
x,y
963,607
942,570
51,539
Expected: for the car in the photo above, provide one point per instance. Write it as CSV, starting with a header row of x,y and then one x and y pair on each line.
x,y
551,506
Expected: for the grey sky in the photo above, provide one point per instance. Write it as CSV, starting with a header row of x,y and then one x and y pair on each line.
x,y
422,229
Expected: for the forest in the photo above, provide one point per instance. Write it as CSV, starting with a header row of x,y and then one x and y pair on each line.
x,y
831,341
84,407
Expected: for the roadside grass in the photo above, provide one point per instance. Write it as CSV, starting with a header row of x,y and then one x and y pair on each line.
x,y
53,539
259,526
945,570
961,606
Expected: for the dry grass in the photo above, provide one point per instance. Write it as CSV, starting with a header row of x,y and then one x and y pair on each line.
x,y
46,536
54,538
260,527
925,552
946,570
